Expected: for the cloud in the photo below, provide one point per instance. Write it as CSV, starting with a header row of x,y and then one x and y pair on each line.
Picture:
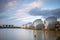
x,y
24,16
30,18
56,12
38,12
45,13
34,4
10,4
6,4
23,13
26,7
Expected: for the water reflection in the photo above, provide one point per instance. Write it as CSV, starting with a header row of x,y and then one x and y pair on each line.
x,y
38,35
16,34
58,35
58,38
50,35
24,34
46,35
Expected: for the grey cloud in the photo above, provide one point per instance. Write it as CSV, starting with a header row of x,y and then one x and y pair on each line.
x,y
56,12
3,4
38,12
45,13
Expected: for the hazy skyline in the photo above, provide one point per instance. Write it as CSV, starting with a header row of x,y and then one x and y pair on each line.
x,y
19,12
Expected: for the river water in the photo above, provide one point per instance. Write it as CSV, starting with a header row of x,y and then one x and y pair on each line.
x,y
25,34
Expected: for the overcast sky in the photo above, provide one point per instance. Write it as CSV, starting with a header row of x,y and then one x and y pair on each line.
x,y
19,12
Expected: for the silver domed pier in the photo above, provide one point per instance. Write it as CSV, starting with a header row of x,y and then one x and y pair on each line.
x,y
50,22
38,24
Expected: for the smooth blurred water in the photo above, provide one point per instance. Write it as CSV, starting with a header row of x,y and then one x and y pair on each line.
x,y
25,34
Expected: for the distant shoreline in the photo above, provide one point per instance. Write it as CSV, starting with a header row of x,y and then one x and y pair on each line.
x,y
27,28
9,27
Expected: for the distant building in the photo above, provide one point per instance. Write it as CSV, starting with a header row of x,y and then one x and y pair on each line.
x,y
58,25
6,26
24,26
38,23
30,25
3,26
0,25
50,22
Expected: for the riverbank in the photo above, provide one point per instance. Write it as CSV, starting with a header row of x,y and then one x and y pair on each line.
x,y
30,28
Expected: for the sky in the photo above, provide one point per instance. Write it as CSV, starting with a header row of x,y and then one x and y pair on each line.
x,y
19,12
